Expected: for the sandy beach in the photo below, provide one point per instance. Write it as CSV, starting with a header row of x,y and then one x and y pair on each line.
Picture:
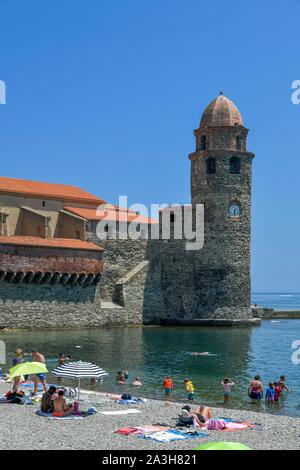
x,y
21,428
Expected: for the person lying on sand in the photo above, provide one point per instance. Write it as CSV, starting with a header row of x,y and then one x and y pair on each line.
x,y
201,415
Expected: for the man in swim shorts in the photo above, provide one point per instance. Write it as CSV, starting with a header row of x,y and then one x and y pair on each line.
x,y
38,357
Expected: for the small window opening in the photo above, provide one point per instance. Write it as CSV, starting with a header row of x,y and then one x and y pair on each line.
x,y
211,166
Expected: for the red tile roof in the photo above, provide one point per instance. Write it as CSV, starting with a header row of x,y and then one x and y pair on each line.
x,y
47,190
110,213
50,243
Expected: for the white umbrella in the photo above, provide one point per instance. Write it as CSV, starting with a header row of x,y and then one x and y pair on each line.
x,y
79,370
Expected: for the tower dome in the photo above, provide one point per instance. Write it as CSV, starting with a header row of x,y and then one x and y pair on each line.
x,y
221,112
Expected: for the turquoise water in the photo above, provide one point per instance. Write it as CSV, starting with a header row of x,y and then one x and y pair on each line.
x,y
154,352
278,301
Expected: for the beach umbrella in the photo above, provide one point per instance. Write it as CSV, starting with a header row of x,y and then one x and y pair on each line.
x,y
27,368
79,370
222,446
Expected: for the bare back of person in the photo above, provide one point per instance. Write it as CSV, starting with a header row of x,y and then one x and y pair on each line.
x,y
60,406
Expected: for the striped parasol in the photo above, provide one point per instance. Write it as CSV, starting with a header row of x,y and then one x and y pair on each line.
x,y
79,370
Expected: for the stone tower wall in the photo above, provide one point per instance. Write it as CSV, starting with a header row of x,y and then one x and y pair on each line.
x,y
222,267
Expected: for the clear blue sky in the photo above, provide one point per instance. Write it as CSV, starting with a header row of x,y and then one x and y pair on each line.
x,y
106,94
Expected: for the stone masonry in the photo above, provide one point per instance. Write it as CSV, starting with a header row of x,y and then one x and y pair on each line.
x,y
151,281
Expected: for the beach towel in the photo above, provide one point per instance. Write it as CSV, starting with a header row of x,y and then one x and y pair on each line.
x,y
50,415
132,401
141,430
230,427
127,431
119,412
168,436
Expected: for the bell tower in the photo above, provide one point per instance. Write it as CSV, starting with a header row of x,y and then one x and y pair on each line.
x,y
221,172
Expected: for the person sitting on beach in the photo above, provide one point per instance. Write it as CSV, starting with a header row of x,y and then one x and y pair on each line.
x,y
47,400
227,384
38,357
168,386
270,394
137,382
189,387
282,385
256,389
60,407
120,378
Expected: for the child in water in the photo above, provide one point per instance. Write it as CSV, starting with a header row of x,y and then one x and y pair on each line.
x,y
227,384
270,394
168,386
278,391
190,389
120,378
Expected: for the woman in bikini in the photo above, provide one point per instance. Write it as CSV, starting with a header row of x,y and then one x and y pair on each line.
x,y
256,390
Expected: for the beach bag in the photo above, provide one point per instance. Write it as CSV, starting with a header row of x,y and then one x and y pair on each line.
x,y
126,396
70,392
185,419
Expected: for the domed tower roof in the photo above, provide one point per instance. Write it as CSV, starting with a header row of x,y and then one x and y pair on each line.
x,y
221,112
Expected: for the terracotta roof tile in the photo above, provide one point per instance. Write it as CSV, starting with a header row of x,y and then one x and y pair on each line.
x,y
50,242
47,190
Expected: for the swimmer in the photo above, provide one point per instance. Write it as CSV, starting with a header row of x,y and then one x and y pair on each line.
x,y
120,378
137,382
200,353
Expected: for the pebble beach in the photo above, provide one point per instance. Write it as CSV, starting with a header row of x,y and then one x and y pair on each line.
x,y
21,428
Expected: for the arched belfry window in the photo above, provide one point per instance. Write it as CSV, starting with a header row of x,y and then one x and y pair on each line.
x,y
234,165
211,166
203,142
239,143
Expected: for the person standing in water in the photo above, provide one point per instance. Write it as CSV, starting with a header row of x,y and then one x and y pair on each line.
x,y
61,362
189,387
270,394
281,383
256,390
168,386
227,384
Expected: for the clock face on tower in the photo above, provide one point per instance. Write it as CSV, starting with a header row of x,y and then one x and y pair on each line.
x,y
234,210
